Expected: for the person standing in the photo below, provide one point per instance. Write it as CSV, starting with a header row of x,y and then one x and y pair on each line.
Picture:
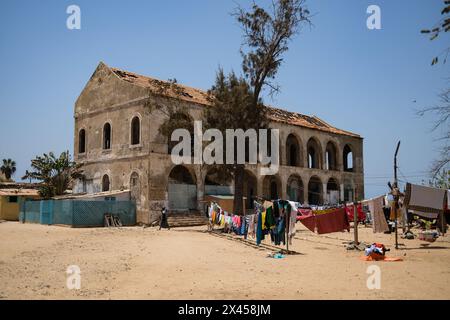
x,y
164,223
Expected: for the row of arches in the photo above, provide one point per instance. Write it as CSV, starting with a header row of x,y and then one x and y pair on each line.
x,y
315,158
182,189
135,135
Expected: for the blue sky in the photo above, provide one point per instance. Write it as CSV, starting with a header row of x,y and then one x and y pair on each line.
x,y
361,80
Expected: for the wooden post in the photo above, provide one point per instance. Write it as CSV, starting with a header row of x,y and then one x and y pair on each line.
x,y
288,221
355,219
395,192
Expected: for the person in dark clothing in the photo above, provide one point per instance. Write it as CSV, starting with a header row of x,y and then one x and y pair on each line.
x,y
163,223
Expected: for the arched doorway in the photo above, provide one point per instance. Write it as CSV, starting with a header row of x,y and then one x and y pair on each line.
x,y
215,184
249,189
295,189
272,187
135,188
315,192
349,193
333,191
182,189
314,154
105,183
331,157
292,151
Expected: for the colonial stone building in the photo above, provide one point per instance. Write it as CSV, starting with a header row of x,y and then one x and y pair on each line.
x,y
118,140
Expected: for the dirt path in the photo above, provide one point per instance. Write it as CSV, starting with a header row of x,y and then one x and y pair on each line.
x,y
137,263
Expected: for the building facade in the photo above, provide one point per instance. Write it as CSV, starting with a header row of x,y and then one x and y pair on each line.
x,y
118,116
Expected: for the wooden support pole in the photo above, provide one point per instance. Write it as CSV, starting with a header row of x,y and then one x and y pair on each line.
x,y
355,219
395,191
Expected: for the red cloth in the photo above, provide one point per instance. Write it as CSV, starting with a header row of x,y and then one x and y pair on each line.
x,y
335,221
308,221
332,222
350,213
303,213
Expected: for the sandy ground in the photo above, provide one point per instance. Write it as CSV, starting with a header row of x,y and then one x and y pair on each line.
x,y
189,263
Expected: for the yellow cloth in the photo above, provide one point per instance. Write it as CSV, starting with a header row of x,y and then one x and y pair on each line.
x,y
263,214
316,212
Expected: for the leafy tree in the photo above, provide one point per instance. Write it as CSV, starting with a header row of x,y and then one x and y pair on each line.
x,y
443,25
8,168
441,180
232,108
55,173
442,109
266,37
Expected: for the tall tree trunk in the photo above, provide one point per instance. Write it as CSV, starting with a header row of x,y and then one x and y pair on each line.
x,y
238,189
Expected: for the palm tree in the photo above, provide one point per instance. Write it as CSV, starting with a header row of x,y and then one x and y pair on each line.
x,y
8,168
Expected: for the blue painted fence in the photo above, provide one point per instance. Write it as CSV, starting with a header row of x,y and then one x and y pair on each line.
x,y
76,213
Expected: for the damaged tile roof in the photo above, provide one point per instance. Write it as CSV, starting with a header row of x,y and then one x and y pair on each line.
x,y
189,94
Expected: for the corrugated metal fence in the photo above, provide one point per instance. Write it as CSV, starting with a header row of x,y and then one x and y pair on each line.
x,y
76,213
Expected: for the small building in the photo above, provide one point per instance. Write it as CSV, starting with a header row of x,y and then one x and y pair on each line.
x,y
10,199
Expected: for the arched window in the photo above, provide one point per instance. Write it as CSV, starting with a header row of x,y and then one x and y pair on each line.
x,y
105,183
330,157
82,141
292,151
314,158
348,158
107,136
135,131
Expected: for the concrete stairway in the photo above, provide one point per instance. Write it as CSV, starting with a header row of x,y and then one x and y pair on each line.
x,y
186,219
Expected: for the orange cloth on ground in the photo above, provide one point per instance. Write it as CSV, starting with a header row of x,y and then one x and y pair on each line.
x,y
378,257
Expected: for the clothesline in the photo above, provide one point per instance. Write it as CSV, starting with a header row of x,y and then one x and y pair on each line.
x,y
275,218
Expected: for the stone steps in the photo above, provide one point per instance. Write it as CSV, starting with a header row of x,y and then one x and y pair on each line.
x,y
183,219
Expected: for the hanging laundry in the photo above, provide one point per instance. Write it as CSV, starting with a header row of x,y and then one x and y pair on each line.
x,y
292,221
267,204
350,213
425,199
334,221
379,220
269,221
259,233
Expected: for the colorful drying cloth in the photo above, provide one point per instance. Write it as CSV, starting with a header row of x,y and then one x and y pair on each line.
x,y
425,199
334,221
